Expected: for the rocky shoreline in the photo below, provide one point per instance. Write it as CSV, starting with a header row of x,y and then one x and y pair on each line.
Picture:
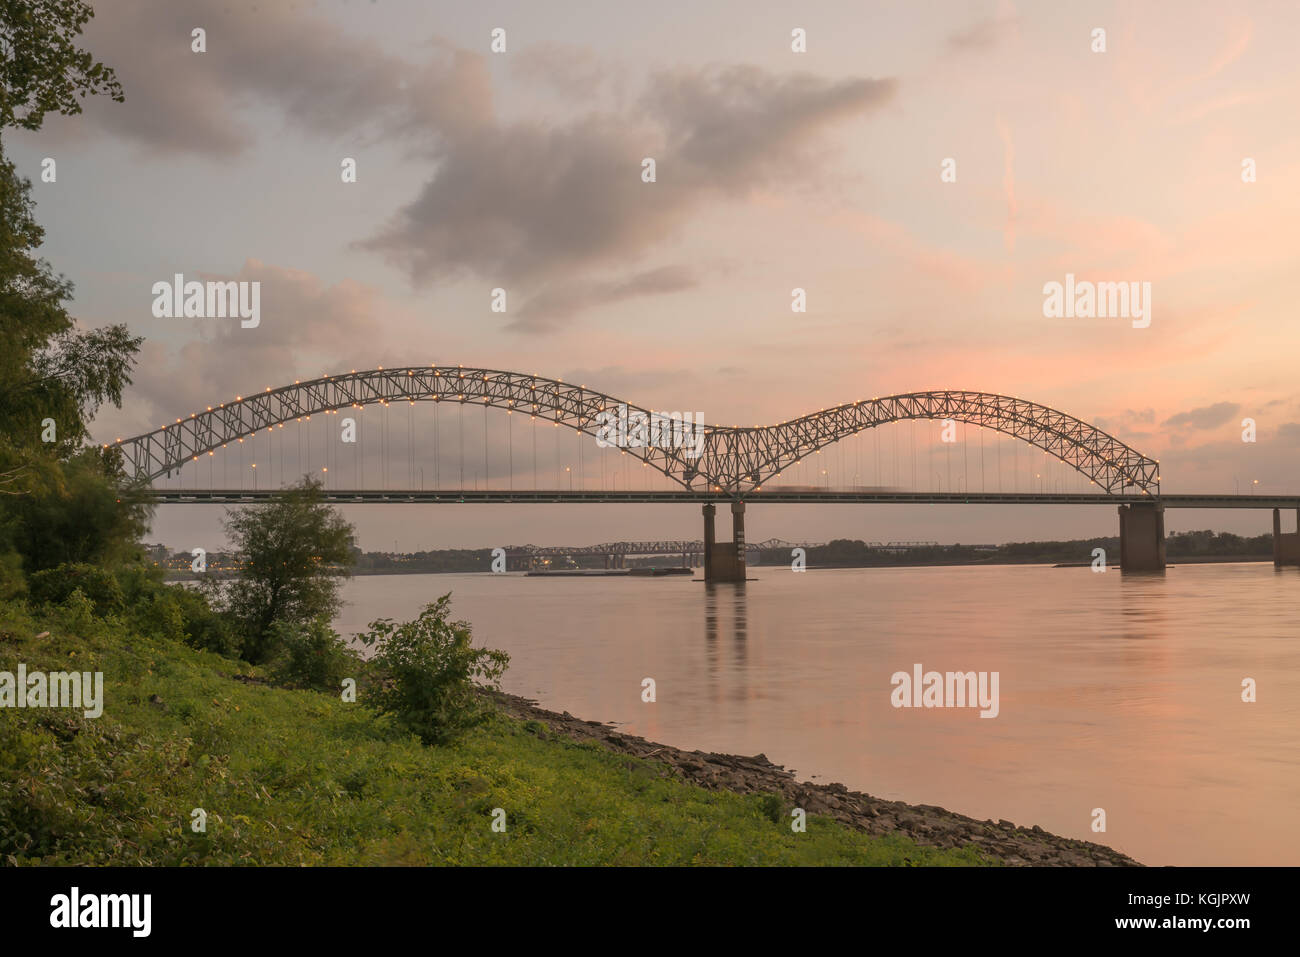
x,y
923,823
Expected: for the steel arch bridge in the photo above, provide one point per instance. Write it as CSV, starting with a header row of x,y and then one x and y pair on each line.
x,y
733,460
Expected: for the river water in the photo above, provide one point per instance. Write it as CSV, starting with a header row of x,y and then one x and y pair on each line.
x,y
1115,693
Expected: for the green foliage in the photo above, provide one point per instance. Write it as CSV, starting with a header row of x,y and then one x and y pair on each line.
x,y
82,515
297,778
54,586
297,548
772,807
62,502
13,583
431,671
313,656
174,612
41,68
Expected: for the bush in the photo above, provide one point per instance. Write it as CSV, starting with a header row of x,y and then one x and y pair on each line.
x,y
13,583
313,656
429,672
54,586
175,612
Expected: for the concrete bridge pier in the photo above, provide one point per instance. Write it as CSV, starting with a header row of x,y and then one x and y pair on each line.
x,y
1142,537
1286,545
724,561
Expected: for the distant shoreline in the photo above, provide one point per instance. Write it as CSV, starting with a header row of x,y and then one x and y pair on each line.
x,y
1173,562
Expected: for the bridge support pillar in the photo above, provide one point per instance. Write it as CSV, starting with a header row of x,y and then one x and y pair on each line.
x,y
724,561
1286,545
1142,537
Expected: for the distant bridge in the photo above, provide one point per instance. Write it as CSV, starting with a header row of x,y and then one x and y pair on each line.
x,y
732,460
715,465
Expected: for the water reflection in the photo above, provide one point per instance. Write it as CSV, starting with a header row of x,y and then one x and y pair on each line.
x,y
1117,691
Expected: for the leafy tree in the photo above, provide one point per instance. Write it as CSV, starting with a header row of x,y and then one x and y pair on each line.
x,y
59,502
296,549
41,68
430,672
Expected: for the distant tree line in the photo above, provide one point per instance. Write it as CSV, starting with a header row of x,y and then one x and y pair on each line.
x,y
852,553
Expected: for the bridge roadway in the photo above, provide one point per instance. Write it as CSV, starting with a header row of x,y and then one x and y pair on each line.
x,y
176,496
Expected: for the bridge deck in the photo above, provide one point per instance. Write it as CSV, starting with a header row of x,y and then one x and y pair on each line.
x,y
173,496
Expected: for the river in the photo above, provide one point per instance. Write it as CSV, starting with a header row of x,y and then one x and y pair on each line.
x,y
1115,693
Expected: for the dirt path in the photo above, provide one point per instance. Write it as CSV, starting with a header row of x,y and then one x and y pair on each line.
x,y
923,823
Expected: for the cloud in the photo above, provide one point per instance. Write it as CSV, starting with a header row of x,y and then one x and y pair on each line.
x,y
225,360
1289,432
541,312
1206,417
321,77
574,72
524,204
545,209
984,34
737,127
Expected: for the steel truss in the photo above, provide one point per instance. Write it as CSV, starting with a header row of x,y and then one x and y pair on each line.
x,y
733,461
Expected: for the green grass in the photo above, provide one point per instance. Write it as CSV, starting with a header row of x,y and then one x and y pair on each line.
x,y
296,777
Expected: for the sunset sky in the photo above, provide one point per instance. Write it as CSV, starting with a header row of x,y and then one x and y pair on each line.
x,y
775,170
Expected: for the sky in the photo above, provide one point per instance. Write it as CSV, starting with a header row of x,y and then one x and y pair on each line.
x,y
775,169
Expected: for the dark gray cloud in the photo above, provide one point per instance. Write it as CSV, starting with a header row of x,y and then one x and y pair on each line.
x,y
1206,417
737,127
553,304
554,211
522,203
1289,432
320,77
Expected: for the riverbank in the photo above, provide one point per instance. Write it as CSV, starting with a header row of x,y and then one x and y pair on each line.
x,y
926,825
197,759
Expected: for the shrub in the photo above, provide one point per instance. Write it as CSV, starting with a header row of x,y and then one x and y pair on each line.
x,y
175,612
429,672
54,586
312,656
13,584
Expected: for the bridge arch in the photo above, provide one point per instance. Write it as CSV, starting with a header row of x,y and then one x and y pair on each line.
x,y
732,460
767,451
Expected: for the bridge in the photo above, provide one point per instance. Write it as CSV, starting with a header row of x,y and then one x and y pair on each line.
x,y
708,464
